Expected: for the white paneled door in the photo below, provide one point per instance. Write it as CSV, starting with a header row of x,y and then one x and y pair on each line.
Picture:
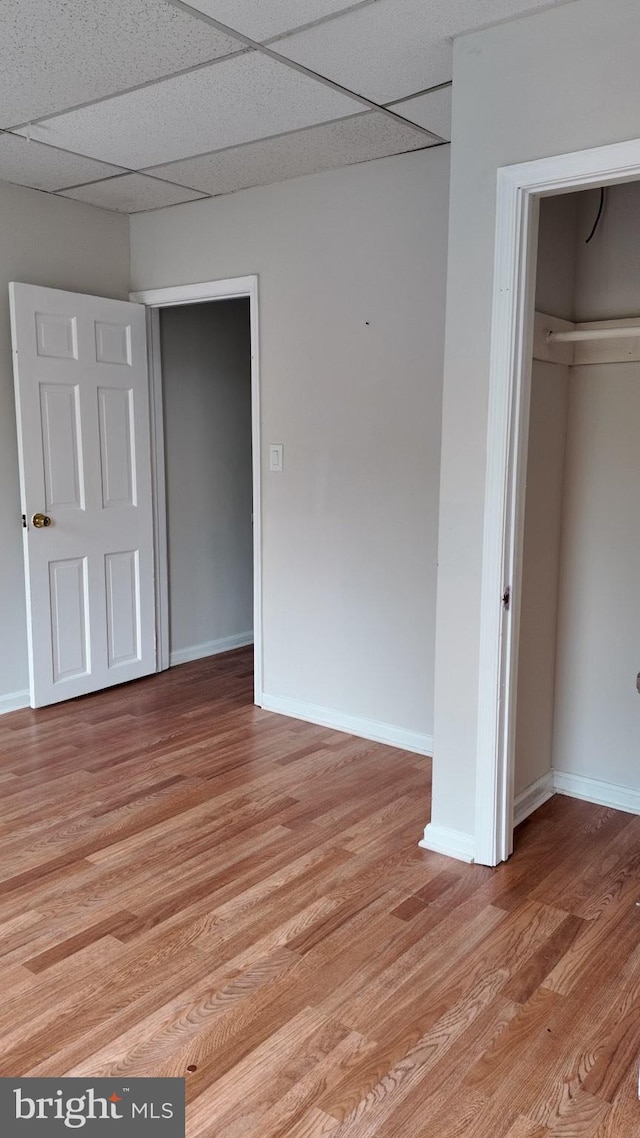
x,y
82,407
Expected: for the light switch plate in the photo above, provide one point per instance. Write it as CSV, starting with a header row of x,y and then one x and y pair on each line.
x,y
276,457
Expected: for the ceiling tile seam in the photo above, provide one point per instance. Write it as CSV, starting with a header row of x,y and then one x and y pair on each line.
x,y
255,141
136,173
34,189
314,23
511,19
147,209
63,191
119,170
360,162
126,91
293,65
108,178
330,169
419,94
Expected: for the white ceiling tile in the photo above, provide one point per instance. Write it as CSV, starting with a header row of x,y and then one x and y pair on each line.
x,y
132,193
391,48
261,19
44,167
234,101
358,139
56,55
384,51
432,111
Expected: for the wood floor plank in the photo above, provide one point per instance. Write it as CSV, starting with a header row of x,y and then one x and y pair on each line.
x,y
524,1128
192,886
622,1118
289,1112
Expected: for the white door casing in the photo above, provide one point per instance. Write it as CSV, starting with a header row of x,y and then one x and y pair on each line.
x,y
82,408
154,300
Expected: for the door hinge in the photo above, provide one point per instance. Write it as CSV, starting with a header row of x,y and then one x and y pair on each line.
x,y
506,598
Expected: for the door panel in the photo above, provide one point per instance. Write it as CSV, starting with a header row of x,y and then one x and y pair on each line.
x,y
69,618
115,413
123,607
82,409
56,336
113,343
60,426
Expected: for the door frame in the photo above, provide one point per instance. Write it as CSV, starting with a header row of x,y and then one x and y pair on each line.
x,y
519,190
174,296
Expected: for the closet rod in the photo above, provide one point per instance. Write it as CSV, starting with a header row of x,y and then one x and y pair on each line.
x,y
593,334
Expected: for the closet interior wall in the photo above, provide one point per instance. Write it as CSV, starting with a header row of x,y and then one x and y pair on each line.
x,y
206,379
578,720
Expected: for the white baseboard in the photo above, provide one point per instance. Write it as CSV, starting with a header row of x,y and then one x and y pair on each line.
x,y
13,701
210,648
574,786
351,724
532,797
594,790
453,843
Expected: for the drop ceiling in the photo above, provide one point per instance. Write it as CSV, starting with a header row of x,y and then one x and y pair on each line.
x,y
140,104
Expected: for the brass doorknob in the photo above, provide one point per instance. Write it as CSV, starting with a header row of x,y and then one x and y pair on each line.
x,y
41,520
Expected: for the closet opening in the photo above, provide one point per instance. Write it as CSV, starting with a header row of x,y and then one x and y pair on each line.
x,y
577,720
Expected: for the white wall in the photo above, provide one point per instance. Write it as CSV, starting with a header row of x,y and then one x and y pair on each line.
x,y
44,240
206,379
559,234
607,270
597,723
562,80
352,266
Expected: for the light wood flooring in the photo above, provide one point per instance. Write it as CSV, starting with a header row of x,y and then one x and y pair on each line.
x,y
191,886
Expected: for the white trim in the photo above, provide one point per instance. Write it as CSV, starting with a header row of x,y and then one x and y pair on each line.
x,y
256,451
452,843
594,790
518,191
351,724
230,289
13,701
158,487
516,240
210,648
196,293
533,796
574,786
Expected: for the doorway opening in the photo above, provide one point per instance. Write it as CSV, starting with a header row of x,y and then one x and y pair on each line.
x,y
514,330
203,353
578,711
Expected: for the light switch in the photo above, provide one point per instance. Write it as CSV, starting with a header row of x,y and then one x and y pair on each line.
x,y
276,457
